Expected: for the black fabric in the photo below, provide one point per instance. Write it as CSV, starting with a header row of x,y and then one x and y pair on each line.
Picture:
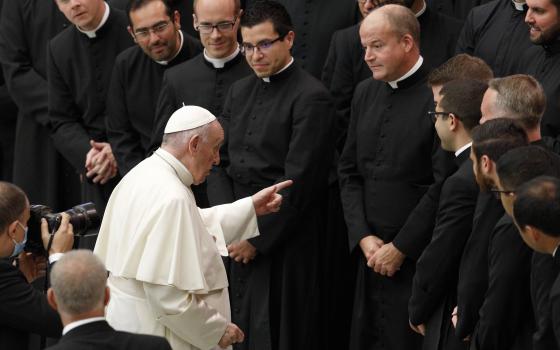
x,y
132,98
434,285
555,302
497,33
506,316
455,8
473,270
277,131
25,28
79,72
99,336
24,310
315,21
544,272
381,184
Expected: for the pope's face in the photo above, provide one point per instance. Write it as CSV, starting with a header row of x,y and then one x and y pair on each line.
x,y
542,18
86,14
155,32
208,153
222,42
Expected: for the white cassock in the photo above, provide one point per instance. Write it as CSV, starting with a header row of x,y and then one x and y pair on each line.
x,y
167,277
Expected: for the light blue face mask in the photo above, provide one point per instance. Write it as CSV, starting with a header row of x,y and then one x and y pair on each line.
x,y
18,247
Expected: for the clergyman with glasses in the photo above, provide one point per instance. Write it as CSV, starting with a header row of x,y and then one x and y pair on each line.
x,y
137,75
205,80
279,123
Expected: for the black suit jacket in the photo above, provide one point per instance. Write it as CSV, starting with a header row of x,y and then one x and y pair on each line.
x,y
99,335
24,310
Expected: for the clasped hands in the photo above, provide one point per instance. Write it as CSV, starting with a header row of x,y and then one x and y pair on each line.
x,y
100,162
232,335
383,258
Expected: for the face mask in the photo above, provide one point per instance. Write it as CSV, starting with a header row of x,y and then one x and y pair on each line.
x,y
18,248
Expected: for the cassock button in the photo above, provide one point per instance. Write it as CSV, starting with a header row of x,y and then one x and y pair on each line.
x,y
236,310
382,136
239,177
220,81
247,148
242,161
304,34
253,117
239,295
249,133
388,107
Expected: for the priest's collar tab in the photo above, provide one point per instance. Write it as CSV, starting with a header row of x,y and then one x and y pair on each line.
x,y
282,73
519,6
93,33
180,169
408,78
219,63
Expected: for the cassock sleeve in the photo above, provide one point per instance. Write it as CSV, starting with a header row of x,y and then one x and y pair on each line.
x,y
186,315
307,164
555,308
220,185
23,307
231,222
352,186
437,267
466,41
165,107
124,140
418,228
502,314
68,133
26,86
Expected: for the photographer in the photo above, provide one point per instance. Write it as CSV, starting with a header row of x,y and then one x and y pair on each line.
x,y
24,309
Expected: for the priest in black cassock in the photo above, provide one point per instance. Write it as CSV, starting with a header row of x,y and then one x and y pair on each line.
x,y
382,182
455,8
279,123
25,28
497,33
7,127
137,75
315,22
80,61
434,286
205,80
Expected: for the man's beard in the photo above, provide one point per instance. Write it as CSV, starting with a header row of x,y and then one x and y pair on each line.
x,y
484,183
549,36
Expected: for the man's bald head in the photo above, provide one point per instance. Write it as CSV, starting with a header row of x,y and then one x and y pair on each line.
x,y
398,19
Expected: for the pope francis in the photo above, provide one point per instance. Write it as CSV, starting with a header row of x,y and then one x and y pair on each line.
x,y
163,253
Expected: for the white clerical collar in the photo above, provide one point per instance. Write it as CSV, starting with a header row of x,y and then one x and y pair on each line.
x,y
554,252
519,6
412,70
462,149
91,33
76,324
422,10
221,62
267,79
165,63
180,169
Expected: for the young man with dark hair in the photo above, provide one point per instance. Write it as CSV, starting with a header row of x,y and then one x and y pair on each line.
x,y
278,124
434,285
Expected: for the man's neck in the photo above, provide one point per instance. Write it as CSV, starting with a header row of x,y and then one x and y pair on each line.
x,y
67,319
461,139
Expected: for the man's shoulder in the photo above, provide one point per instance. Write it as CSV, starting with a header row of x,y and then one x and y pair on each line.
x,y
130,56
142,341
184,69
63,40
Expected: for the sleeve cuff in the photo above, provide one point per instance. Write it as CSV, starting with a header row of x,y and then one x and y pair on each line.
x,y
55,257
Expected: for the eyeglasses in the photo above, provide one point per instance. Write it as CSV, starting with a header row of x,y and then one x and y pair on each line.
x,y
158,28
222,27
498,192
248,49
434,115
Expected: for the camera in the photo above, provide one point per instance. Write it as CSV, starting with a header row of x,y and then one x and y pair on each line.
x,y
83,217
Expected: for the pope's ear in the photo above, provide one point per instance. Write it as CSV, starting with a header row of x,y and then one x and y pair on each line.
x,y
194,144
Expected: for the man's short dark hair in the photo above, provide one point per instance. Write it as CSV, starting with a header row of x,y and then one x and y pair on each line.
x,y
12,204
134,5
266,10
463,98
496,137
461,66
522,164
537,204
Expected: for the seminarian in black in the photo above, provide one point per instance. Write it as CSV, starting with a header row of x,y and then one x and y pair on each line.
x,y
434,285
315,21
345,66
455,8
497,33
382,182
278,125
137,75
80,62
25,28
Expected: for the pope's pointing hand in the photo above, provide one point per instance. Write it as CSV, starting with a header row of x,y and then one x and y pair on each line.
x,y
268,200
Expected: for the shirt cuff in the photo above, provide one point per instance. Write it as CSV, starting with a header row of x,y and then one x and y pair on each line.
x,y
55,257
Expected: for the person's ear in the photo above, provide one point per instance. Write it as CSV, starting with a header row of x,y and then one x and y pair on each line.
x,y
486,164
129,28
51,299
194,144
290,38
12,229
533,233
408,42
177,19
194,21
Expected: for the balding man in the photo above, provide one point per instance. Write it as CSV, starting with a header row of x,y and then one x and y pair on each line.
x,y
163,252
79,294
382,182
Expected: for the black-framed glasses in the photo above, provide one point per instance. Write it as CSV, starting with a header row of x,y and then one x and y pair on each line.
x,y
497,193
248,49
434,115
158,28
221,27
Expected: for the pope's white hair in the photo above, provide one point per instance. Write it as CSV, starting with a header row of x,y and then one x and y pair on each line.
x,y
180,139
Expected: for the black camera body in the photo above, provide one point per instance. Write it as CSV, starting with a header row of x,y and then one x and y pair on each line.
x,y
83,218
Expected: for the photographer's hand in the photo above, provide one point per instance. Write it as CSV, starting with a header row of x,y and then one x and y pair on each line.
x,y
63,239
